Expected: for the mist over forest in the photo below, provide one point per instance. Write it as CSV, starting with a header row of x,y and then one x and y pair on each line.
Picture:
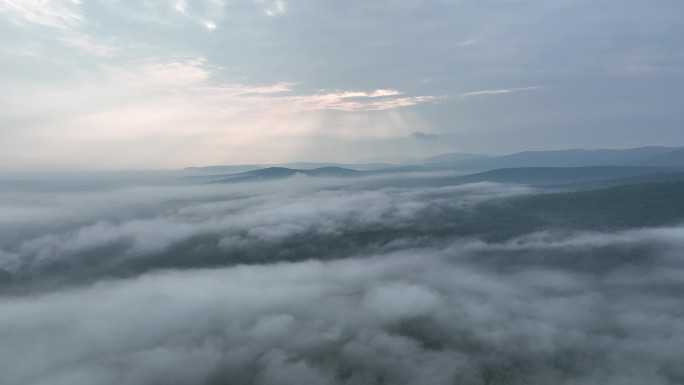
x,y
332,280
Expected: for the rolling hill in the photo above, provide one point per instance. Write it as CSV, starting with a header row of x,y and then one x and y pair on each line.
x,y
273,173
642,156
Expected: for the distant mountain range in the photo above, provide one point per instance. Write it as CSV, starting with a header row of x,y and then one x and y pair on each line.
x,y
298,166
655,156
642,156
673,158
575,169
557,175
271,173
567,178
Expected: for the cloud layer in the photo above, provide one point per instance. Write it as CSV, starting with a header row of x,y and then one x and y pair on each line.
x,y
422,315
384,290
43,229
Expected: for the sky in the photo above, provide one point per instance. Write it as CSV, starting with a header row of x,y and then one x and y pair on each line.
x,y
143,84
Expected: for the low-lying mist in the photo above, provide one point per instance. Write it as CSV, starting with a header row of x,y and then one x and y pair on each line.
x,y
305,281
69,230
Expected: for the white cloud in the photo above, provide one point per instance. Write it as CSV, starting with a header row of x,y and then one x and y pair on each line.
x,y
377,100
272,7
172,74
201,14
239,215
61,14
419,316
173,98
91,45
466,95
432,309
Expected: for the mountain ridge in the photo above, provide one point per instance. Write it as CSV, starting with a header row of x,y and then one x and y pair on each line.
x,y
657,156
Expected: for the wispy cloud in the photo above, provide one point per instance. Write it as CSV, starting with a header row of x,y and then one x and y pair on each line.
x,y
496,92
87,43
377,100
204,18
425,136
185,102
272,7
173,73
61,14
194,77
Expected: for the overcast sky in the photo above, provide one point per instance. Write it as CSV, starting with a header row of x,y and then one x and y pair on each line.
x,y
162,83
